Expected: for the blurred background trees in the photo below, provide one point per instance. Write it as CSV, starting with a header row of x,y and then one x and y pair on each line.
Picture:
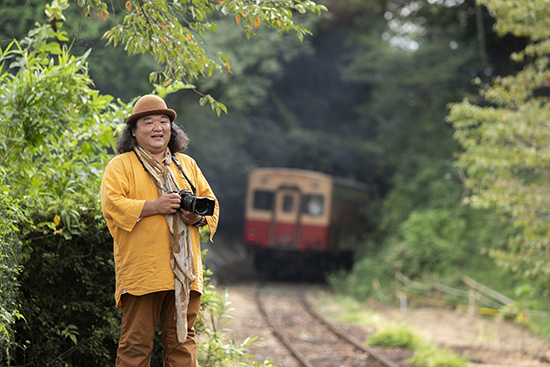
x,y
365,96
505,136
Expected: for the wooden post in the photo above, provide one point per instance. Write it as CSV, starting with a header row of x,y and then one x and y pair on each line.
x,y
472,300
397,286
437,293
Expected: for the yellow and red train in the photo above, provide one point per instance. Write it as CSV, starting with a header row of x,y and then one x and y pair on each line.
x,y
303,223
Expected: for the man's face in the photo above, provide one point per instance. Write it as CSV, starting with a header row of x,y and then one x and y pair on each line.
x,y
153,133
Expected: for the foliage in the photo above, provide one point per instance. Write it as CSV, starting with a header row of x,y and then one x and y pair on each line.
x,y
430,356
112,71
66,297
371,276
172,32
10,248
256,63
57,131
396,336
505,141
433,240
54,147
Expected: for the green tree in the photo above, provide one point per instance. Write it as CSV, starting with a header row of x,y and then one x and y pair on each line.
x,y
505,140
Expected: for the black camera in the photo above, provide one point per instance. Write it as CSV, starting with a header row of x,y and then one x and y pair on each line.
x,y
196,204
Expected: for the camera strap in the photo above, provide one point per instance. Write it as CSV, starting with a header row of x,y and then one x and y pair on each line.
x,y
177,162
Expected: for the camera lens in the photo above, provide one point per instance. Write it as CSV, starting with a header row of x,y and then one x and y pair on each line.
x,y
201,206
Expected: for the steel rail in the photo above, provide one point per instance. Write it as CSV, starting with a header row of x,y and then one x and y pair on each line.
x,y
279,334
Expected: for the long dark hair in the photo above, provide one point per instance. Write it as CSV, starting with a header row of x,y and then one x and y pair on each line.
x,y
126,141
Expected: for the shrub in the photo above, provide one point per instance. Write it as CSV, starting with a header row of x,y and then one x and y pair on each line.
x,y
67,298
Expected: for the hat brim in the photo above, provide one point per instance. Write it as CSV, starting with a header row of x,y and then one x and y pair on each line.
x,y
162,111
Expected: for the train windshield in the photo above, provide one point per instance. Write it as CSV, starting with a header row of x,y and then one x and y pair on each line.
x,y
313,205
288,203
263,200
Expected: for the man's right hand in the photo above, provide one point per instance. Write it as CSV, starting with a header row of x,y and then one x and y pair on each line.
x,y
165,204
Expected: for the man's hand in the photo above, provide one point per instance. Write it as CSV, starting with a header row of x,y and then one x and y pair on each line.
x,y
165,204
189,218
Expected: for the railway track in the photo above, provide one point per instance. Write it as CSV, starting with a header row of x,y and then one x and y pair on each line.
x,y
311,339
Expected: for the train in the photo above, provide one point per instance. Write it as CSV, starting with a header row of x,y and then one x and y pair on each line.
x,y
302,223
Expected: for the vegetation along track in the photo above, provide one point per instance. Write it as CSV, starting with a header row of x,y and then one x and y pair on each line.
x,y
312,340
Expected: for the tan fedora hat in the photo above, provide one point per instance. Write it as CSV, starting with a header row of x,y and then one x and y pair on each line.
x,y
150,105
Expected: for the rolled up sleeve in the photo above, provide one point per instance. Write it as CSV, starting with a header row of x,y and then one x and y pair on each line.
x,y
117,207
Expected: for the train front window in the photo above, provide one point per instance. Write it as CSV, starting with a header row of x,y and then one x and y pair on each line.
x,y
313,205
263,200
288,203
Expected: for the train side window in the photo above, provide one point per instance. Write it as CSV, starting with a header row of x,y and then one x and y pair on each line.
x,y
313,205
263,200
288,203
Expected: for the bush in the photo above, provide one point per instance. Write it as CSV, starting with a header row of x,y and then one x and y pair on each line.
x,y
67,299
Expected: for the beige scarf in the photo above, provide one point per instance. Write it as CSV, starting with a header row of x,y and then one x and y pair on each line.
x,y
181,258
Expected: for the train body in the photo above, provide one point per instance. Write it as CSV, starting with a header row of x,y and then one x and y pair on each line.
x,y
303,223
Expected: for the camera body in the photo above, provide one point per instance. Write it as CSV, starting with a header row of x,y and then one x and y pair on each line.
x,y
196,204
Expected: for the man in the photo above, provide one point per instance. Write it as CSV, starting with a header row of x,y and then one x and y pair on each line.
x,y
156,245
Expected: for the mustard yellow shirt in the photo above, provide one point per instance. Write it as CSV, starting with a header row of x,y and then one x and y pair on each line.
x,y
141,246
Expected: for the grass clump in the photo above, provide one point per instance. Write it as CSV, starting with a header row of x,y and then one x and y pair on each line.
x,y
428,355
425,354
396,336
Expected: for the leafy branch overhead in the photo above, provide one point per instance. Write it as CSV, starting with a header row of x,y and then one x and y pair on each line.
x,y
172,31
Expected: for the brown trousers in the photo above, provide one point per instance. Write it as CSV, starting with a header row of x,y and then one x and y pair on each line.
x,y
140,316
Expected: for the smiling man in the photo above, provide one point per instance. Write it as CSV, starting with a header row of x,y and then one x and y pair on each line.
x,y
156,244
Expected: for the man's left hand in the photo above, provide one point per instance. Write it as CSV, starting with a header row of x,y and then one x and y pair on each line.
x,y
189,218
